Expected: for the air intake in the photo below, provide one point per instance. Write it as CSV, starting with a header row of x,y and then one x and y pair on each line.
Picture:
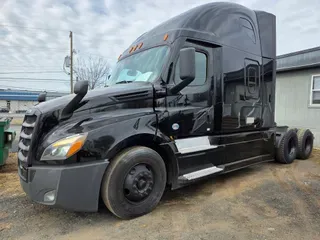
x,y
132,96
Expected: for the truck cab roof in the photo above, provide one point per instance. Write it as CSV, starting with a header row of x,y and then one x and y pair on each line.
x,y
221,23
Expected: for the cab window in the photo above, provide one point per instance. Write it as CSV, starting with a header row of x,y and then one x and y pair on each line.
x,y
201,70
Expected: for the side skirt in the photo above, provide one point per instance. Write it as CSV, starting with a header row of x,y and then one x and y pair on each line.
x,y
200,157
211,171
246,163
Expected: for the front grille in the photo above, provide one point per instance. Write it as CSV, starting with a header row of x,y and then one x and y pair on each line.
x,y
25,140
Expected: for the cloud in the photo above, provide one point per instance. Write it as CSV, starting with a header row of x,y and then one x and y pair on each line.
x,y
35,34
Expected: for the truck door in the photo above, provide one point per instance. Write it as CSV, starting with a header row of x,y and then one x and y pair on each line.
x,y
189,114
190,111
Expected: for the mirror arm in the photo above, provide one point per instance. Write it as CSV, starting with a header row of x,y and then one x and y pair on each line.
x,y
177,88
80,89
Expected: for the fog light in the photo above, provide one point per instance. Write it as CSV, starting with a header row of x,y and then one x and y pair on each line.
x,y
49,196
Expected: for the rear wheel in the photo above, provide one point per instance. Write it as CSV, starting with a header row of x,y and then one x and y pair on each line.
x,y
305,143
287,149
134,182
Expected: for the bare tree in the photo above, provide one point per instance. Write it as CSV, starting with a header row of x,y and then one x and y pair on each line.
x,y
93,69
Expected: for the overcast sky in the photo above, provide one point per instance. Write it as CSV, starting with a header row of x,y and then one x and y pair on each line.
x,y
34,34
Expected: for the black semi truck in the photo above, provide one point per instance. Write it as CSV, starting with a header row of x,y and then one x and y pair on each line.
x,y
192,98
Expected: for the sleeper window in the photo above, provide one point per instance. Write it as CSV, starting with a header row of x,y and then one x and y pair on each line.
x,y
201,70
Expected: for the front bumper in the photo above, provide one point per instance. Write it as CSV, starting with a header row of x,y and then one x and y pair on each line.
x,y
73,187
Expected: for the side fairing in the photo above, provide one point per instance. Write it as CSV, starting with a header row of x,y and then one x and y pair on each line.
x,y
188,121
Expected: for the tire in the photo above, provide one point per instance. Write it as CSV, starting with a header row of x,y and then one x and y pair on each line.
x,y
305,143
295,129
287,150
134,182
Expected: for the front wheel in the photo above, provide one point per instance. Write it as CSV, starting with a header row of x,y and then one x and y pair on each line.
x,y
134,182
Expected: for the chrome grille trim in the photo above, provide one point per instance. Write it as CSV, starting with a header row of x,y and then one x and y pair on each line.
x,y
26,136
21,157
28,125
23,147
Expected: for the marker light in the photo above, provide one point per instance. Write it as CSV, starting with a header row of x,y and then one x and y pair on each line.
x,y
165,37
140,45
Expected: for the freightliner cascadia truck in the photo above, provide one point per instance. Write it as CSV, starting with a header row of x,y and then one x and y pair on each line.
x,y
192,98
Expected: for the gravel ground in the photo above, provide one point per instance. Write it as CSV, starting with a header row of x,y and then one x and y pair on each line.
x,y
267,201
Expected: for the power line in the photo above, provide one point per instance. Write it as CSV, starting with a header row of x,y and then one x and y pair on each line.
x,y
17,46
6,65
30,67
10,69
33,79
23,88
33,89
33,28
91,40
32,72
56,83
93,54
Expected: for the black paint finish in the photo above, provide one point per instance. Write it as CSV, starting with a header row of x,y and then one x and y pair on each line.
x,y
231,99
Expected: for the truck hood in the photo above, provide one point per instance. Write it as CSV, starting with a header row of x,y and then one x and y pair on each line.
x,y
99,99
98,109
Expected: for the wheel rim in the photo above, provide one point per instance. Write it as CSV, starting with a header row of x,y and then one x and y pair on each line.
x,y
291,148
138,183
308,145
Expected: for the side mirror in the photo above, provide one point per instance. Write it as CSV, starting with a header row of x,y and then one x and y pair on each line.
x,y
81,87
42,97
187,69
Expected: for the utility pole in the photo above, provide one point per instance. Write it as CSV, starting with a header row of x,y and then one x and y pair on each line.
x,y
71,61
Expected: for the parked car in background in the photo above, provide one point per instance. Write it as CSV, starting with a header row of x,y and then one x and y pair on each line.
x,y
21,111
4,110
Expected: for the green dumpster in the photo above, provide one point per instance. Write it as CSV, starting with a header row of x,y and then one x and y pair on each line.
x,y
7,136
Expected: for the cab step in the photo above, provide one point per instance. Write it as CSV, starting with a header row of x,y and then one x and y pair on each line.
x,y
194,144
200,173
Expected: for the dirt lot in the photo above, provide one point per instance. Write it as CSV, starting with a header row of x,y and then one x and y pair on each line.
x,y
267,201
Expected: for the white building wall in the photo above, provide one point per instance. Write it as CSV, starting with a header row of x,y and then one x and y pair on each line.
x,y
17,105
3,104
25,105
293,101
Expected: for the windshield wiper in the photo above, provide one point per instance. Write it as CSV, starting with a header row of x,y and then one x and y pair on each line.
x,y
124,81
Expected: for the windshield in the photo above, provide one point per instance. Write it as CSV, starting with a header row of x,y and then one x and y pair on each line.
x,y
145,66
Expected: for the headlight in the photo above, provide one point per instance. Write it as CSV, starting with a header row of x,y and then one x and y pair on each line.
x,y
64,148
